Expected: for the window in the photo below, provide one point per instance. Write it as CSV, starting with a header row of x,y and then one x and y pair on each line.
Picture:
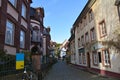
x,y
22,39
78,29
95,58
99,54
106,58
74,44
85,21
92,31
13,2
24,10
9,36
41,19
102,29
82,40
119,10
86,38
80,58
36,36
74,57
90,15
78,42
117,3
84,58
81,25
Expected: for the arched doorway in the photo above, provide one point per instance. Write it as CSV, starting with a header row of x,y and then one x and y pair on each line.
x,y
35,50
36,58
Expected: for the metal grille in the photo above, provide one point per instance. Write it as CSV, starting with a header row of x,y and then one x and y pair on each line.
x,y
7,66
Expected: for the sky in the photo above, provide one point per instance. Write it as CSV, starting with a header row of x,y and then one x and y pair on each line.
x,y
60,15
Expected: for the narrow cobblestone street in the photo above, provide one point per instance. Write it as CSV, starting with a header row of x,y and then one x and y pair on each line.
x,y
62,71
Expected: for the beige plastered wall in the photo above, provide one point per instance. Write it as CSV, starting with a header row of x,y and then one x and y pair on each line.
x,y
106,10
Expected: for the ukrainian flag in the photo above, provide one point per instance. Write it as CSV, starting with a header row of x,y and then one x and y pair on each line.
x,y
19,61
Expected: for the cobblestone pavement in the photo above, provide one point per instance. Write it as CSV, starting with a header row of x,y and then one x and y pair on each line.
x,y
62,71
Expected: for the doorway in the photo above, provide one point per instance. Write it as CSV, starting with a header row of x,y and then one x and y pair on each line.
x,y
88,60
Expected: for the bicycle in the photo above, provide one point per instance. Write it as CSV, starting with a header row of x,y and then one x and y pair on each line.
x,y
28,75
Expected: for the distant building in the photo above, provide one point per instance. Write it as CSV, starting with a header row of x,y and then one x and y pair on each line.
x,y
52,49
46,44
14,25
63,49
71,46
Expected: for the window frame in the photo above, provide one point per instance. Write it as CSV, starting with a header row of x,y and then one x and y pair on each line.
x,y
23,36
80,58
13,2
117,3
82,40
8,23
95,58
85,21
119,9
90,15
102,29
86,37
81,24
108,64
36,35
83,58
24,10
78,42
92,34
78,28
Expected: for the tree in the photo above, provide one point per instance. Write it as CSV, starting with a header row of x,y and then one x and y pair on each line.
x,y
57,49
114,40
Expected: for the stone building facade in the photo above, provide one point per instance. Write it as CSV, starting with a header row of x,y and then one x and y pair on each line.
x,y
94,26
71,46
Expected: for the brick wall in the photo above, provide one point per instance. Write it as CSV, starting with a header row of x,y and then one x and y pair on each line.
x,y
3,18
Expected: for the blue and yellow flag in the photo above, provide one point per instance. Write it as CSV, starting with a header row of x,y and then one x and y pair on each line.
x,y
19,61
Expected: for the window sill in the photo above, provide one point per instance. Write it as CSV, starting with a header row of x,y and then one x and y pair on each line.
x,y
95,64
107,66
9,45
